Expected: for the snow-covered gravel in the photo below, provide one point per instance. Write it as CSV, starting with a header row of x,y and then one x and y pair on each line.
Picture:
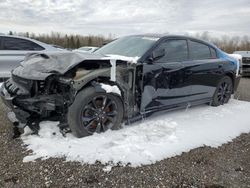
x,y
148,141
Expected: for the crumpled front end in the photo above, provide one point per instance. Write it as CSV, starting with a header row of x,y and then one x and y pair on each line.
x,y
35,100
36,93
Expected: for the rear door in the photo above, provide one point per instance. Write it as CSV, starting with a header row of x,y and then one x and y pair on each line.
x,y
205,70
165,83
13,52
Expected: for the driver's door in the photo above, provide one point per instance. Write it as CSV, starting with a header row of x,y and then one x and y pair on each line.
x,y
165,81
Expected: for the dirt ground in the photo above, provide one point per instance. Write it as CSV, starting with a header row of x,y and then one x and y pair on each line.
x,y
226,166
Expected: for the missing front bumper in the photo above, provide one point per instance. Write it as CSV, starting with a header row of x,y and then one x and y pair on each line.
x,y
16,122
17,116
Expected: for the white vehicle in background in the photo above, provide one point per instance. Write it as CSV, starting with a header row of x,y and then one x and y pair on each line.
x,y
86,49
245,62
13,49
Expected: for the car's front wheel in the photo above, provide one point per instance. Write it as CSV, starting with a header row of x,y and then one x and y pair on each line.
x,y
94,112
223,91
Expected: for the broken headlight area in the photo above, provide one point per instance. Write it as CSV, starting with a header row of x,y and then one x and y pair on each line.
x,y
33,101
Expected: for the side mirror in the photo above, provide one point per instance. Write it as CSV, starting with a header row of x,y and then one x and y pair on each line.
x,y
157,54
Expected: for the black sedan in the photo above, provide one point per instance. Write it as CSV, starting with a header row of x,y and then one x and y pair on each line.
x,y
124,81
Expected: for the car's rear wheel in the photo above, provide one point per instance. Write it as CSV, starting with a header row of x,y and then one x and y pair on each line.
x,y
223,91
94,112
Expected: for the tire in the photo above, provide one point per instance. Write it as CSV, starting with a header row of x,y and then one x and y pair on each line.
x,y
95,112
223,91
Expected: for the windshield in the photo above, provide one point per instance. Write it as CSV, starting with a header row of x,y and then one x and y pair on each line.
x,y
131,46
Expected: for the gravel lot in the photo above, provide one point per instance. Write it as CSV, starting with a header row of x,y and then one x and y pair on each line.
x,y
226,166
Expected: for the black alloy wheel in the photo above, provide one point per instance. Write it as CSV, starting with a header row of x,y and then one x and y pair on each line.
x,y
223,92
100,114
93,112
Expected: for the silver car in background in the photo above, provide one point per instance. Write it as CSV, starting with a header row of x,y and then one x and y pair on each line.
x,y
13,49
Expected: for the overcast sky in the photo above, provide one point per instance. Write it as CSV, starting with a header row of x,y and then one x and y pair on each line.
x,y
123,17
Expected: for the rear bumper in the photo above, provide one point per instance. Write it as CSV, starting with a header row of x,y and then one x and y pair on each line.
x,y
236,82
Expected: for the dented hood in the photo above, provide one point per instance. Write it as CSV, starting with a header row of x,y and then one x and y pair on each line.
x,y
39,66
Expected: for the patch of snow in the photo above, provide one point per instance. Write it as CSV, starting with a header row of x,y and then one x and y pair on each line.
x,y
107,168
1,85
111,89
145,142
123,58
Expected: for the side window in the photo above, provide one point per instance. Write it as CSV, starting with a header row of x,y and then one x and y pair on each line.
x,y
213,53
10,43
175,50
198,50
1,43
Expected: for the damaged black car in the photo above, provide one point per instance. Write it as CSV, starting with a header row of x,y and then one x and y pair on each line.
x,y
123,81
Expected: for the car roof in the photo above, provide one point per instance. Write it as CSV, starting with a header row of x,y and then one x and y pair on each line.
x,y
161,36
164,36
19,37
47,46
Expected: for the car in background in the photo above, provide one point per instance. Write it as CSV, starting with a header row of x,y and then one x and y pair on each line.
x,y
86,49
13,49
245,62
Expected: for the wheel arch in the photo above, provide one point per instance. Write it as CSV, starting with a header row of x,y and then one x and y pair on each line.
x,y
232,76
96,84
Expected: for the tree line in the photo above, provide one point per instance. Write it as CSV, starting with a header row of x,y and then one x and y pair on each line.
x,y
225,42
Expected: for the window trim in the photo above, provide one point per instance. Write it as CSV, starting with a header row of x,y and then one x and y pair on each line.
x,y
216,55
201,42
16,38
145,57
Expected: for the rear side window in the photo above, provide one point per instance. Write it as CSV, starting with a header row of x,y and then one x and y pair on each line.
x,y
175,50
0,43
198,50
10,43
213,53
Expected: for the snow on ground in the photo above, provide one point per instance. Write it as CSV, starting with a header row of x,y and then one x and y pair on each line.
x,y
145,142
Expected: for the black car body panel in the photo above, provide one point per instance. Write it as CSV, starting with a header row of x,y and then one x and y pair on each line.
x,y
45,85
